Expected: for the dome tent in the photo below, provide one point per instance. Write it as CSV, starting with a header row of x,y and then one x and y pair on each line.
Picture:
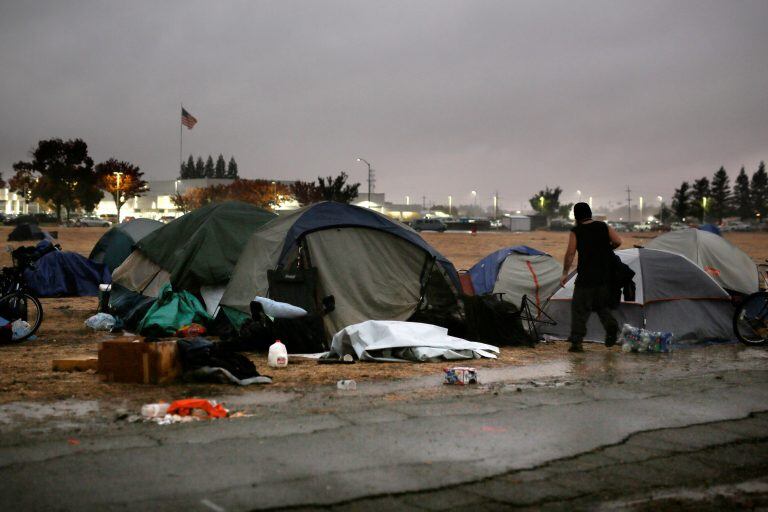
x,y
376,268
195,251
728,265
517,271
672,294
118,243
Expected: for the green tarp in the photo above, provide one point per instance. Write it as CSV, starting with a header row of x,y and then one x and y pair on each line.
x,y
171,311
202,247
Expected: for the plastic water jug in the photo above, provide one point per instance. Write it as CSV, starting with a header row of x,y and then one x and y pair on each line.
x,y
278,355
154,410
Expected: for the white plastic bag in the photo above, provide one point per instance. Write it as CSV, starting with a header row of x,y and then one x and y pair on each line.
x,y
101,322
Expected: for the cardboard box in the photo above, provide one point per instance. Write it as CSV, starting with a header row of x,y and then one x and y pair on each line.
x,y
136,361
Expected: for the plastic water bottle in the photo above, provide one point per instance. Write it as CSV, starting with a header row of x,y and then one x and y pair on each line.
x,y
346,385
278,355
154,410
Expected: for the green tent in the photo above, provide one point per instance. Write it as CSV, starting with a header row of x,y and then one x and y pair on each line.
x,y
196,252
118,243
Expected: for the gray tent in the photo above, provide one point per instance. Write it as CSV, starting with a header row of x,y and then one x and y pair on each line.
x,y
726,263
376,268
672,295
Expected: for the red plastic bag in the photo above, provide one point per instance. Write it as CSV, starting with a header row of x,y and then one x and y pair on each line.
x,y
186,406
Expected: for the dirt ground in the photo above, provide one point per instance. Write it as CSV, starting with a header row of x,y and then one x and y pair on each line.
x,y
26,374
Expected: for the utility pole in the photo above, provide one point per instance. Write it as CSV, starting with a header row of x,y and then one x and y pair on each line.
x,y
629,204
496,205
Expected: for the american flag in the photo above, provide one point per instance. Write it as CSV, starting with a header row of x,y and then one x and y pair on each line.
x,y
187,119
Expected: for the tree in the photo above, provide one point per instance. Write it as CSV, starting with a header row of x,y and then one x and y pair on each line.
x,y
221,167
121,180
232,169
305,192
182,202
199,168
547,201
23,180
758,190
680,200
742,199
210,168
65,175
188,169
664,214
337,189
699,198
564,210
720,195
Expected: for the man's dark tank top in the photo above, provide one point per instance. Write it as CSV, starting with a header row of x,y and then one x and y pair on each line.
x,y
595,253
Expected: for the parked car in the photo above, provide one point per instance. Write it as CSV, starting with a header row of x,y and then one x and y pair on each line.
x,y
645,226
92,222
678,226
736,226
429,225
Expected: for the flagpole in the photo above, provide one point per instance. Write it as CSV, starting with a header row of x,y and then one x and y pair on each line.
x,y
181,137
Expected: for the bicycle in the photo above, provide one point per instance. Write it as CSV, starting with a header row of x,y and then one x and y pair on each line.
x,y
19,308
750,321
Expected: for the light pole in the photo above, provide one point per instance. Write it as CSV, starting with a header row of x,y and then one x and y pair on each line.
x,y
450,206
407,200
661,210
590,202
370,177
641,209
703,208
578,192
117,197
474,201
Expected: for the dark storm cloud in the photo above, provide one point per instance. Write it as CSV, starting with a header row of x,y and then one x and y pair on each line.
x,y
442,97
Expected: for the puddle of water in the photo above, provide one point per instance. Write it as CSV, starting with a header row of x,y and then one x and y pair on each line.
x,y
42,411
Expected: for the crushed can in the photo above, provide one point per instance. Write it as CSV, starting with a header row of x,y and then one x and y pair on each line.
x,y
460,376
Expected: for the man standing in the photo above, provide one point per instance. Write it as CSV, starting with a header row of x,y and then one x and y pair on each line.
x,y
594,241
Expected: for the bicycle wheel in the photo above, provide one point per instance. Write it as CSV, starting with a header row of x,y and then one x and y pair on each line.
x,y
750,322
24,312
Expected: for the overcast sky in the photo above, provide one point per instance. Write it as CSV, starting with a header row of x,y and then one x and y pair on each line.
x,y
442,97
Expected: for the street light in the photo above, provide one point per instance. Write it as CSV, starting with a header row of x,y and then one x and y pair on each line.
x,y
578,192
371,179
661,209
474,199
117,199
450,205
407,200
703,208
641,208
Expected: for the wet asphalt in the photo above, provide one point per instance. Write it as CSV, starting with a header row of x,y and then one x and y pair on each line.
x,y
386,444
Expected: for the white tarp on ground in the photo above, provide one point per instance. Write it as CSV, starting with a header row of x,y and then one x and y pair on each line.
x,y
394,341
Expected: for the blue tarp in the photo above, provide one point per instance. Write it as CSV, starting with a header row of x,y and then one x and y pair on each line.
x,y
485,271
335,215
710,228
66,274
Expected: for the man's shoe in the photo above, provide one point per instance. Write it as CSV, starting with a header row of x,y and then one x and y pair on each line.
x,y
576,347
610,341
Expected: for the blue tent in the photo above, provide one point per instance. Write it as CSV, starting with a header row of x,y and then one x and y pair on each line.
x,y
65,274
485,271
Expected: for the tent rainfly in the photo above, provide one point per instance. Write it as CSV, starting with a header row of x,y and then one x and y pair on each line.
x,y
672,295
728,265
515,272
196,252
118,243
375,268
